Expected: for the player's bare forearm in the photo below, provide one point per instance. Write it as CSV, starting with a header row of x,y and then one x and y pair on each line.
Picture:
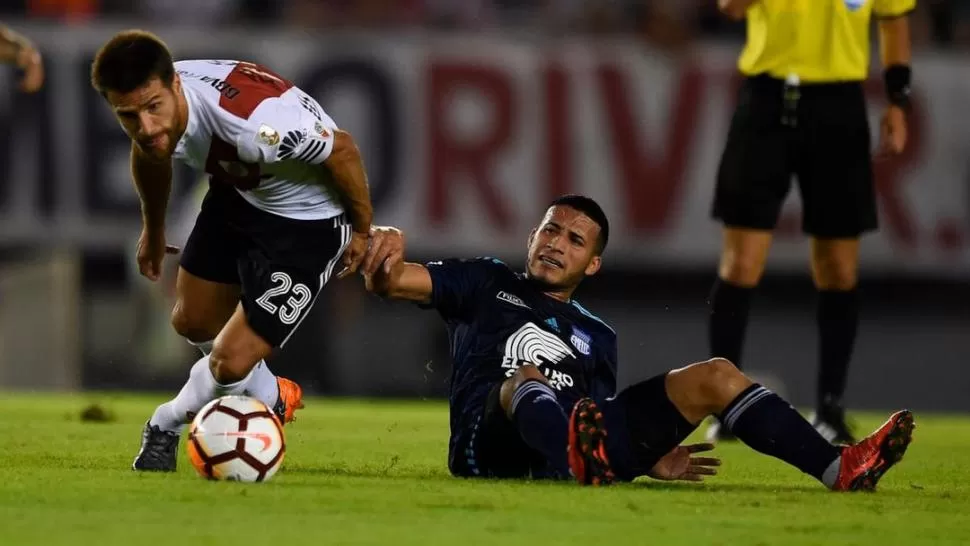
x,y
735,9
11,44
405,281
347,168
894,41
153,181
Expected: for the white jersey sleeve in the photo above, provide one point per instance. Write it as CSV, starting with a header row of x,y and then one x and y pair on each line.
x,y
289,127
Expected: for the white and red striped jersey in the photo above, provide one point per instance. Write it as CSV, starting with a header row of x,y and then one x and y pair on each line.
x,y
253,129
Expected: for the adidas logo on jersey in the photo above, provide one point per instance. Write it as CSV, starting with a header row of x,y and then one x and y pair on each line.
x,y
552,323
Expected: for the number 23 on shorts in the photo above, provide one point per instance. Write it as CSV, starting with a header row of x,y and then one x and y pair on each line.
x,y
285,299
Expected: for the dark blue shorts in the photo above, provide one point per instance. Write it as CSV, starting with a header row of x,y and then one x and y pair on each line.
x,y
486,444
643,426
642,423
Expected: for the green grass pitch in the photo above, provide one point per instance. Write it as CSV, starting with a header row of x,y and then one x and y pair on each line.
x,y
362,472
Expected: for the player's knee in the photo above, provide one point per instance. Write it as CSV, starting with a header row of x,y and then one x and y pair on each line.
x,y
717,376
521,376
189,326
719,368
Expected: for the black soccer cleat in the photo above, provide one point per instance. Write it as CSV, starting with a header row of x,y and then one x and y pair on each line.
x,y
830,422
587,445
158,450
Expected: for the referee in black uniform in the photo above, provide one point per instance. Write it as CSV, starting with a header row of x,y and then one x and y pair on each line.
x,y
802,112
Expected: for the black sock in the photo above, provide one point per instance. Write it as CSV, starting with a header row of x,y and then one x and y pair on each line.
x,y
761,419
838,321
728,320
542,423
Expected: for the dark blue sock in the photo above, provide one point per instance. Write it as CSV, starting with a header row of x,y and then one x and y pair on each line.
x,y
543,424
761,419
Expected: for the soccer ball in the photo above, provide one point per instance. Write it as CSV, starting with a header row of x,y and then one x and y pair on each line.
x,y
236,438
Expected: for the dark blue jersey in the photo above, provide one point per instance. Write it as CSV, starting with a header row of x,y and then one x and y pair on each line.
x,y
498,320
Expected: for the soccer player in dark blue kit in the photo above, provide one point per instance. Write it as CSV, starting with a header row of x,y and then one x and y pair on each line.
x,y
533,389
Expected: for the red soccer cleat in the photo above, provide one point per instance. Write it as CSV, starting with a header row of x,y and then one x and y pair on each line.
x,y
587,445
864,463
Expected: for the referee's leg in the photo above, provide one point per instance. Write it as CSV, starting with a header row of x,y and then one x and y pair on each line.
x,y
835,265
839,202
752,182
744,252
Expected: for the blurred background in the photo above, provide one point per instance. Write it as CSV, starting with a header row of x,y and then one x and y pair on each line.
x,y
472,115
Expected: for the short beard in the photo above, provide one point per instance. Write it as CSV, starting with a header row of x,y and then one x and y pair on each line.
x,y
543,286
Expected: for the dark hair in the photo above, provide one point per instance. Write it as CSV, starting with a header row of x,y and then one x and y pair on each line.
x,y
591,208
130,60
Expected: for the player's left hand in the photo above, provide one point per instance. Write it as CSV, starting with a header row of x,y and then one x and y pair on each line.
x,y
354,254
892,133
680,464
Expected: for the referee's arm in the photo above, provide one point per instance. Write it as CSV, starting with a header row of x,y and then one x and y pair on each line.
x,y
896,52
735,9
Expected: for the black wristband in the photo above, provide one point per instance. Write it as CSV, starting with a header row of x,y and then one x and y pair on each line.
x,y
897,79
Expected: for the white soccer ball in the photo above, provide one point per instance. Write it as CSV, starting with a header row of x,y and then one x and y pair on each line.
x,y
236,438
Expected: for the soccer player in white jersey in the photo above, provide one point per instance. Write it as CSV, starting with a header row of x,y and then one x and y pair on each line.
x,y
288,203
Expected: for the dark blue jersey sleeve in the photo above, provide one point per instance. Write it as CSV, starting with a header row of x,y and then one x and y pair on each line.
x,y
457,285
603,385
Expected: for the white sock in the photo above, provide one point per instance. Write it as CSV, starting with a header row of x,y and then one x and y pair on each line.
x,y
202,388
204,346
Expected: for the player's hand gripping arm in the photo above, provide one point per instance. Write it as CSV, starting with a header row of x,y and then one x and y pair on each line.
x,y
153,181
16,49
350,181
735,9
895,46
388,275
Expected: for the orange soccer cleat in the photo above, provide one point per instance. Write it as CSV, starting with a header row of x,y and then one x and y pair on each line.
x,y
864,463
587,445
291,399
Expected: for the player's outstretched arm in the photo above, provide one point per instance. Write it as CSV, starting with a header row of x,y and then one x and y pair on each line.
x,y
401,281
387,274
18,50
